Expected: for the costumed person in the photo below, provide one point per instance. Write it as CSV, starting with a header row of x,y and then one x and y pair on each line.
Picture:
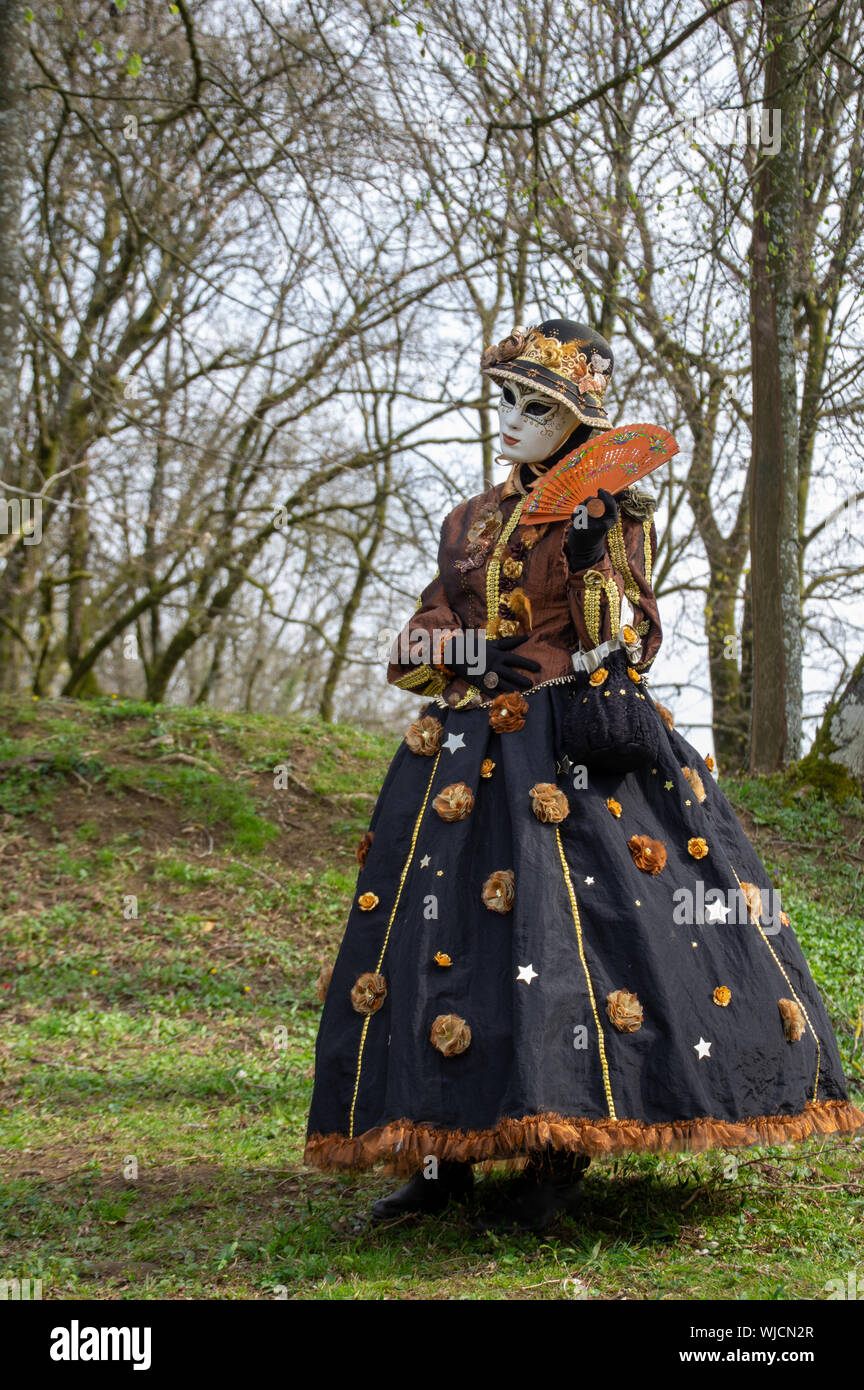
x,y
562,943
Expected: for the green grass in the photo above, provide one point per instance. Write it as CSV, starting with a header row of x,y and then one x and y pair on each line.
x,y
812,847
163,925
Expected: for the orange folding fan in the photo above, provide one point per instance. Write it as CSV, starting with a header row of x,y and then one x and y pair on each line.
x,y
612,460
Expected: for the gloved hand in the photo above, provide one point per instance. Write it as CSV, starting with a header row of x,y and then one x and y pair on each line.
x,y
496,656
585,544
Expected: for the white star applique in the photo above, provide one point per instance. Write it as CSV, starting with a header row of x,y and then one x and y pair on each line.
x,y
716,912
424,862
527,973
703,1048
589,880
453,741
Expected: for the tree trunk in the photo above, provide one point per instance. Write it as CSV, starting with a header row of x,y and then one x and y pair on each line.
x,y
775,734
841,734
365,562
78,557
214,670
13,52
745,687
730,731
486,432
13,55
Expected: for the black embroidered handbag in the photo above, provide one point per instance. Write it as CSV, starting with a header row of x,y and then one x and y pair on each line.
x,y
611,723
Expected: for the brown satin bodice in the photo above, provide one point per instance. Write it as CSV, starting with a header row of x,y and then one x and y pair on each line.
x,y
551,600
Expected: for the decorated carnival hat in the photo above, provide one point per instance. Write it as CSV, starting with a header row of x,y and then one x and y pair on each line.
x,y
567,361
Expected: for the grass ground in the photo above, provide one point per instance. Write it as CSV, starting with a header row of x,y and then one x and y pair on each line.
x,y
166,910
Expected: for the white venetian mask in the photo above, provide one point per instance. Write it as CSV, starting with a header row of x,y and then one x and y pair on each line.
x,y
531,424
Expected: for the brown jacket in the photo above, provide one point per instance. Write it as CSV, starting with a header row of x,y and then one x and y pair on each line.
x,y
525,577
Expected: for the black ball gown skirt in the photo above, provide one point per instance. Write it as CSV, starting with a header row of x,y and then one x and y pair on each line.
x,y
596,980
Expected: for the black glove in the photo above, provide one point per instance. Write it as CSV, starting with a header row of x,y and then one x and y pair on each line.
x,y
585,544
499,657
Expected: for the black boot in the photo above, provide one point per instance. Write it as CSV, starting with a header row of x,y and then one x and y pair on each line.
x,y
453,1183
547,1186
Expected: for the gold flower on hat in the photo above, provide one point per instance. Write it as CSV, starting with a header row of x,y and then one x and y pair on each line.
x,y
549,353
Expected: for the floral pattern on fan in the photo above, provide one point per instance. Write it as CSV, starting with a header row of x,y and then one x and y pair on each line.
x,y
613,460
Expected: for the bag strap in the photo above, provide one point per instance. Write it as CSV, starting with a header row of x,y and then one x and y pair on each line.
x,y
590,660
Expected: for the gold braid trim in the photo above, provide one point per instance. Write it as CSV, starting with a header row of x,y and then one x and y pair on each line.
x,y
648,557
468,697
404,1145
487,703
433,681
380,961
601,1042
791,989
618,554
493,571
593,589
610,588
